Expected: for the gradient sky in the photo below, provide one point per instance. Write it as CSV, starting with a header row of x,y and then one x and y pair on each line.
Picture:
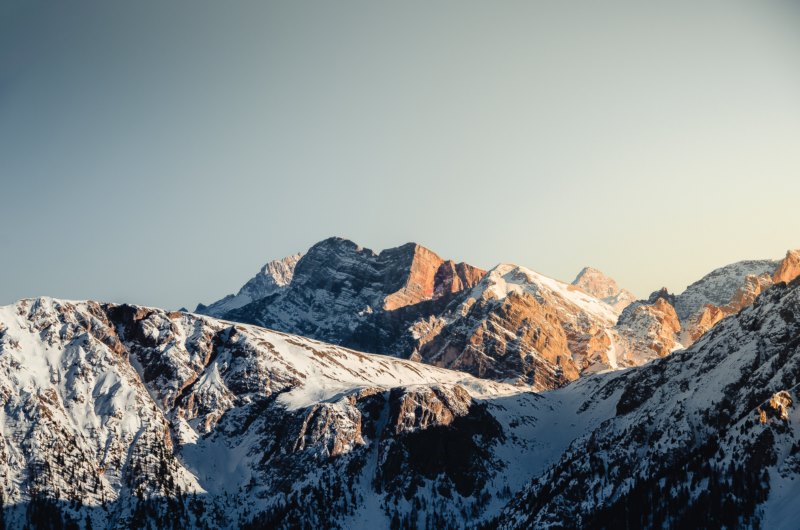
x,y
161,152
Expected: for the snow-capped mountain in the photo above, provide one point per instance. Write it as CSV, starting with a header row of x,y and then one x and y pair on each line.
x,y
130,416
349,295
601,286
705,438
511,324
721,293
719,286
272,277
520,326
410,303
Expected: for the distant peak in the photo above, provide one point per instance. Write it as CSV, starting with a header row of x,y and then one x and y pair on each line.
x,y
336,241
411,249
662,293
789,267
596,282
589,270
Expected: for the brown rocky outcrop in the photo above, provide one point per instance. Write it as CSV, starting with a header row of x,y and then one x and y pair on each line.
x,y
429,277
710,314
452,277
789,267
652,327
777,408
752,287
520,326
414,409
704,320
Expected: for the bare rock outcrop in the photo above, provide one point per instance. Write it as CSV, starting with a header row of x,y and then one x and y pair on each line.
x,y
599,285
789,267
652,327
710,314
520,326
414,409
428,277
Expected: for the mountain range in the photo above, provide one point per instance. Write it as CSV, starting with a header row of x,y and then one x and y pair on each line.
x,y
344,388
509,324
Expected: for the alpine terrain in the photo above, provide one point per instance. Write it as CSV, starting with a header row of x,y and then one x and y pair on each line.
x,y
344,388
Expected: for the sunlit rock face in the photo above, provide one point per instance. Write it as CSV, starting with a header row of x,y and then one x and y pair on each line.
x,y
520,326
728,290
599,285
789,268
650,330
709,315
345,294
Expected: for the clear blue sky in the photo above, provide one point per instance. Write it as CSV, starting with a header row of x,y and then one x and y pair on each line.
x,y
160,152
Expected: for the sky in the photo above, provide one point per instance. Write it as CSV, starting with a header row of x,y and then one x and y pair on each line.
x,y
159,152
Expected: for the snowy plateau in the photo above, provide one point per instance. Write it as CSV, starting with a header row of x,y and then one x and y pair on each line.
x,y
343,388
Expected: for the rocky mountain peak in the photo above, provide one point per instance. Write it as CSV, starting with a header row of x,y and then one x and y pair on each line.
x,y
719,286
427,276
662,293
596,283
343,293
602,286
651,326
394,278
789,267
272,276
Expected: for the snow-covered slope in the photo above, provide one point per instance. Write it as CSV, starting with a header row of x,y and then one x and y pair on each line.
x,y
127,414
509,278
705,438
719,286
